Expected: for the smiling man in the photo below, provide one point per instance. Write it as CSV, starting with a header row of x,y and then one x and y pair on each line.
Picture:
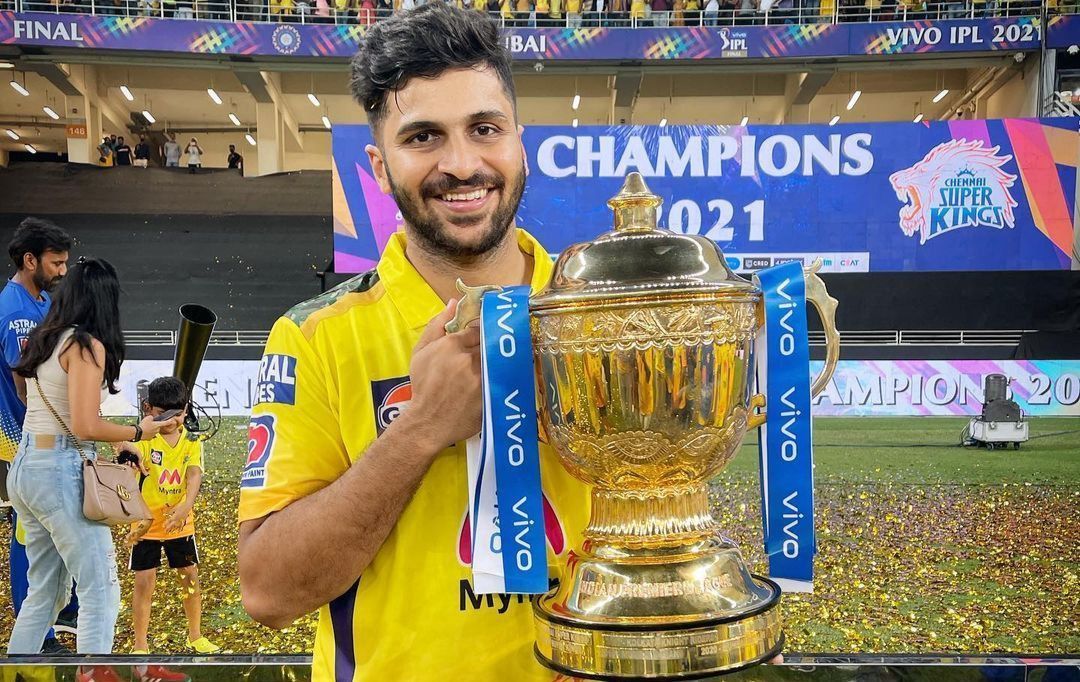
x,y
354,497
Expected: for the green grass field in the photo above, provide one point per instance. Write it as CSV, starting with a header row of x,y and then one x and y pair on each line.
x,y
924,546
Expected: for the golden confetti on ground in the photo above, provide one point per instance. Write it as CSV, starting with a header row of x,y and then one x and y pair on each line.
x,y
966,563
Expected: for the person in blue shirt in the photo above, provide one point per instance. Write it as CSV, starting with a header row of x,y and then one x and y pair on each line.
x,y
39,249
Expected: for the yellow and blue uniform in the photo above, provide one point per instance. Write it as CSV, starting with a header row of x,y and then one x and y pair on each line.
x,y
20,313
333,377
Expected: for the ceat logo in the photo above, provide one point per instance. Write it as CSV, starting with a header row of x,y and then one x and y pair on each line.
x,y
553,529
390,397
169,477
260,448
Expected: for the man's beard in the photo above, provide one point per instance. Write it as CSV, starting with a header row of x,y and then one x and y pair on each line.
x,y
45,284
436,236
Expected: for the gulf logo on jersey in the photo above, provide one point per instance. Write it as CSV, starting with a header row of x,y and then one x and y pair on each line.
x,y
260,448
553,529
390,397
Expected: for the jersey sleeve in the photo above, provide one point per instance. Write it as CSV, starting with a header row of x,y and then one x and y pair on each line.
x,y
295,447
196,458
9,342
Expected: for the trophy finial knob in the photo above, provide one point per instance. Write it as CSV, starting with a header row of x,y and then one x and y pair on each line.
x,y
635,205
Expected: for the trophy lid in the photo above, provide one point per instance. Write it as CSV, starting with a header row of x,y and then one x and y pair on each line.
x,y
639,259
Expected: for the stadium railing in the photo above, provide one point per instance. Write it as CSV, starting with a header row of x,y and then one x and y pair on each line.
x,y
775,12
817,338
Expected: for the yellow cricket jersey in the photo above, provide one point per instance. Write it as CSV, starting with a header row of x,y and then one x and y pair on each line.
x,y
166,485
334,375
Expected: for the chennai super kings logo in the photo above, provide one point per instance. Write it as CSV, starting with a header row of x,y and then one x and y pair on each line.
x,y
958,184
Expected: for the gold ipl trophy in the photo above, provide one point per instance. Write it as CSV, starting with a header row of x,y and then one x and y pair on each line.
x,y
643,343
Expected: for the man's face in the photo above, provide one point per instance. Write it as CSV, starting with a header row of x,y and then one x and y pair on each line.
x,y
450,152
232,148
48,270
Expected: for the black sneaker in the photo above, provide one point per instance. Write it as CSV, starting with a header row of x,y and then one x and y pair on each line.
x,y
67,623
53,647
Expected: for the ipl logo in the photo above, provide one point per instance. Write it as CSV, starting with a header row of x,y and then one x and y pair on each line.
x,y
958,184
732,43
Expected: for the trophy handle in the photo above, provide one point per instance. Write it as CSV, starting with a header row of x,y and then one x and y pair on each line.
x,y
818,295
468,308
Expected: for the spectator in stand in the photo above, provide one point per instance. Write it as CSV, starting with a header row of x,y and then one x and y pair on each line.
x,y
303,11
522,10
712,12
185,9
617,14
555,13
142,153
170,151
346,9
194,155
123,153
105,151
573,13
367,12
235,159
692,13
384,8
637,12
661,13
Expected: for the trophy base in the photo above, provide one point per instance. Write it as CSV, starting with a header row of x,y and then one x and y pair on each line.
x,y
682,615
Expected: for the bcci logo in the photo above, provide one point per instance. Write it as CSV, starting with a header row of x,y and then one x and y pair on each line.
x,y
260,447
390,397
958,184
286,39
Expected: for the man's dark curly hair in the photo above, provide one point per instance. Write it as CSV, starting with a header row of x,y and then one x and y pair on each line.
x,y
423,43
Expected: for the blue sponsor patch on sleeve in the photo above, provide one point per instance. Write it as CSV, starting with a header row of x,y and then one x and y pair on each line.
x,y
277,380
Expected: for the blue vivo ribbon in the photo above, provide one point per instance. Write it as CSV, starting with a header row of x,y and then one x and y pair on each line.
x,y
509,441
784,443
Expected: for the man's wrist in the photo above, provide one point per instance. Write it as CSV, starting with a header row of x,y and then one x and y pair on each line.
x,y
411,425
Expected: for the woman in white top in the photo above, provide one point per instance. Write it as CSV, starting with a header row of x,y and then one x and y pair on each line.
x,y
75,351
194,155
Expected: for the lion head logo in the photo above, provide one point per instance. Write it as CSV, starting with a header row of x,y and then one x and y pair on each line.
x,y
958,184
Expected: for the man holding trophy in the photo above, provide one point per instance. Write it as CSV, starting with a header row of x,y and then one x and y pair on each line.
x,y
368,495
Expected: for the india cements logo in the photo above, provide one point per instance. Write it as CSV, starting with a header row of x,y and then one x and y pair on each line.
x,y
958,184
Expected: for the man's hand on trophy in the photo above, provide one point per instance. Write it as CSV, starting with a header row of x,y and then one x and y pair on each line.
x,y
445,375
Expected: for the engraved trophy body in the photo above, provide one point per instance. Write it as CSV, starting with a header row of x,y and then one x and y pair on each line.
x,y
644,343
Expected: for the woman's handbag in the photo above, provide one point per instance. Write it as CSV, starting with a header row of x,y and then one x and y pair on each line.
x,y
111,492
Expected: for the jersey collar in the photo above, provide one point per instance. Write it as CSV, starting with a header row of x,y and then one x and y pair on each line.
x,y
417,301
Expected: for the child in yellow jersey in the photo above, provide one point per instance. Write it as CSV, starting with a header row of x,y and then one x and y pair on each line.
x,y
171,466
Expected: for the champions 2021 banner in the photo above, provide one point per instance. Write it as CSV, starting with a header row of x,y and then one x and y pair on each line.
x,y
956,195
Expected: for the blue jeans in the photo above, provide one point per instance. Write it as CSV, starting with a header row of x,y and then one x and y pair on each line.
x,y
46,490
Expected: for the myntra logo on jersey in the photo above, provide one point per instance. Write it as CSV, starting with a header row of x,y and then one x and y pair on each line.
x,y
260,448
277,380
390,397
700,156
